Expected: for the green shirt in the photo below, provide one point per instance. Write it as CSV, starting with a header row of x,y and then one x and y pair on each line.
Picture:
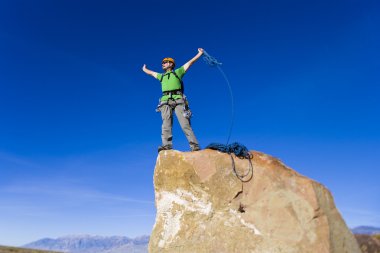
x,y
170,82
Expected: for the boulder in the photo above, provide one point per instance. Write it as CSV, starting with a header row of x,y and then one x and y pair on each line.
x,y
203,206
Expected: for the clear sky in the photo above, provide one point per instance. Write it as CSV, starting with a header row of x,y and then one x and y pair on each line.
x,y
78,127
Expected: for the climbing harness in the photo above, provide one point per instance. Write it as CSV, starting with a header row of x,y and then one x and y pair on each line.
x,y
172,92
173,103
241,152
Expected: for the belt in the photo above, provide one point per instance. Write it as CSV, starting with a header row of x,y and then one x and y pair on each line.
x,y
172,92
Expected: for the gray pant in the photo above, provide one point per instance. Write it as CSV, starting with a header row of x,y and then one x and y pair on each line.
x,y
167,124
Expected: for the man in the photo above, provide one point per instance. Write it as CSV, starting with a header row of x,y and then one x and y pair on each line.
x,y
173,99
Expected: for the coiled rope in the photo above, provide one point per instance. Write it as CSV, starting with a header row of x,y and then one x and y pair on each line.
x,y
241,152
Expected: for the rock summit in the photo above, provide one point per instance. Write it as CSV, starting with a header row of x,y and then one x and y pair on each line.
x,y
202,206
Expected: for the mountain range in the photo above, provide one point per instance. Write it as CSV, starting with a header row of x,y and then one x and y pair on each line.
x,y
121,244
366,230
92,244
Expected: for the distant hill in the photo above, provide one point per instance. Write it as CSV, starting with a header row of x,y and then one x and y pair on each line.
x,y
368,238
121,244
92,244
366,230
4,249
368,243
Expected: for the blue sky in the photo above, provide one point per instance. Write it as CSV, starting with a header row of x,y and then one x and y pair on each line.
x,y
78,130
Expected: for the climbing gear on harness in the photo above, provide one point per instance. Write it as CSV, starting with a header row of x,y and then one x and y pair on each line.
x,y
241,152
211,61
171,102
168,59
186,112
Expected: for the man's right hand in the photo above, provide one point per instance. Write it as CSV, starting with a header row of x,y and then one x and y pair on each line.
x,y
149,72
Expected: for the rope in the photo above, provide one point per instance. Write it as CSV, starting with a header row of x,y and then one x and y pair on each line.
x,y
241,152
213,62
238,149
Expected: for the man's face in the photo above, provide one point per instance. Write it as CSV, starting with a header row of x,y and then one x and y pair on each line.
x,y
166,65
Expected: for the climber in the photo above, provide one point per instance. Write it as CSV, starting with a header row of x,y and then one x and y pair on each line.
x,y
173,99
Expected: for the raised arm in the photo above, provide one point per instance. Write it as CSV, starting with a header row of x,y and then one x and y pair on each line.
x,y
189,63
149,72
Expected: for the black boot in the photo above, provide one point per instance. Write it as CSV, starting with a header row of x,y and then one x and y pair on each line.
x,y
195,148
166,147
